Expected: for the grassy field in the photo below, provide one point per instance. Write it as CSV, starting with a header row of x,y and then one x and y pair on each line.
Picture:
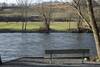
x,y
59,26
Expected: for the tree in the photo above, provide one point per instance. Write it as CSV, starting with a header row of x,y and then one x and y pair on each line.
x,y
81,8
92,21
77,6
24,9
45,10
94,26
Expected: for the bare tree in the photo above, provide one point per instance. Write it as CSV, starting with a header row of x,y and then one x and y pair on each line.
x,y
67,18
80,6
79,24
24,9
45,10
92,21
94,26
76,6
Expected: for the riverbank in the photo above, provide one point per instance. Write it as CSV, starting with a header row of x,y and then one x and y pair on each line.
x,y
44,31
38,27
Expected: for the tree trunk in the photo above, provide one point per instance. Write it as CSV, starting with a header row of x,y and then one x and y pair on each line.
x,y
22,26
79,24
69,25
47,25
94,27
25,26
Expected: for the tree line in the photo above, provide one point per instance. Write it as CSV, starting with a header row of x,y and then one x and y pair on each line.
x,y
19,18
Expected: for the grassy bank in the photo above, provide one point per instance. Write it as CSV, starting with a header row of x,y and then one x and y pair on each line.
x,y
36,26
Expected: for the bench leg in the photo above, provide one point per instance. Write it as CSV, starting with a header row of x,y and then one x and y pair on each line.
x,y
0,60
83,58
51,58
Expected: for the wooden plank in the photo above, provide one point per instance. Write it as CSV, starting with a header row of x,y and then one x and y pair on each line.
x,y
67,51
67,57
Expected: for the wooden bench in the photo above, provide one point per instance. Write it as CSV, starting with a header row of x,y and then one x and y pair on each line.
x,y
83,52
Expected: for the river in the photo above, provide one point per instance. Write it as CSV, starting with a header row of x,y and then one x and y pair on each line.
x,y
16,45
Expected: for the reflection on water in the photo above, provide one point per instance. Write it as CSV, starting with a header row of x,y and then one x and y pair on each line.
x,y
15,45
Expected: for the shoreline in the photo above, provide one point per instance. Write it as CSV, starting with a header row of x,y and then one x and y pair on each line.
x,y
45,31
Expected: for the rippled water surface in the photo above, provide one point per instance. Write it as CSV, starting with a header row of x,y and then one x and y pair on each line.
x,y
15,45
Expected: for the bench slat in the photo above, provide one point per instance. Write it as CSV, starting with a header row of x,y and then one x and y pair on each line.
x,y
67,51
67,57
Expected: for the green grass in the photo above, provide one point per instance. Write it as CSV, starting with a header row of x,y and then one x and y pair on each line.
x,y
63,26
60,26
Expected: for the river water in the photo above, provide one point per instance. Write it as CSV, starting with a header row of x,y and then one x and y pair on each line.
x,y
16,45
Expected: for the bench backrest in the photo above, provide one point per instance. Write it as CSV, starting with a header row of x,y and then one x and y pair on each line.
x,y
68,51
